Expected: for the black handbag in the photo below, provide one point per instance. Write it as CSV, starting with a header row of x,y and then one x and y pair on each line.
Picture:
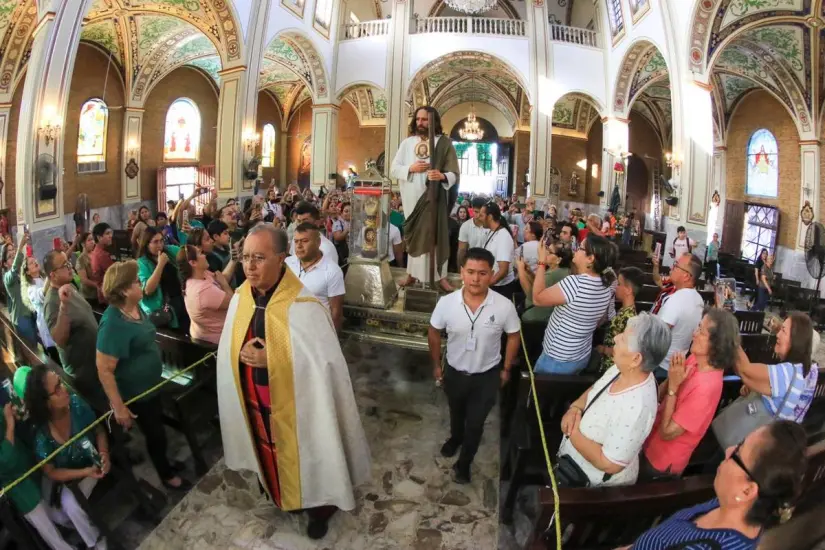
x,y
567,471
162,317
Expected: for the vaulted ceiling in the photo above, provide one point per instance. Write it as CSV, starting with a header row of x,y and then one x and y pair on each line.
x,y
775,45
370,104
17,22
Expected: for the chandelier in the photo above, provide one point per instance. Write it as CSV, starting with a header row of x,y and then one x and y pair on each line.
x,y
471,6
472,130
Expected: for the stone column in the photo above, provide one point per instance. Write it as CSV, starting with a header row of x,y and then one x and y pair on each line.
x,y
5,111
398,64
131,146
44,101
720,160
543,99
696,160
324,144
809,190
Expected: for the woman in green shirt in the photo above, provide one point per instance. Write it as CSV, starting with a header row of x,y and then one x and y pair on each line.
x,y
159,278
59,415
19,314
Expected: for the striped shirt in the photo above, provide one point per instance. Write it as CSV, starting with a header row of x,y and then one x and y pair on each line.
x,y
569,332
679,529
802,390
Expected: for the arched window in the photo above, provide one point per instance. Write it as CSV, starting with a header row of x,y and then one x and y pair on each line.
x,y
183,132
268,147
763,165
91,136
614,14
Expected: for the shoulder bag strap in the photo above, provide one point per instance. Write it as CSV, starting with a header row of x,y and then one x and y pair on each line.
x,y
787,393
601,391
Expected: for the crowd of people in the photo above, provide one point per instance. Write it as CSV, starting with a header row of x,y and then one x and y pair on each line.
x,y
661,373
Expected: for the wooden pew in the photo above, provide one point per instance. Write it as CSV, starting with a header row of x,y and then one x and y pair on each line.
x,y
759,347
609,517
750,322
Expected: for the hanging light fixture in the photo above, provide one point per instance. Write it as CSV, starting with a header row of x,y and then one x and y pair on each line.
x,y
472,130
472,6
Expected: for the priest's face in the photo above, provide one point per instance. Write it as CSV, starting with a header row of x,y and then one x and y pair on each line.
x,y
262,263
422,122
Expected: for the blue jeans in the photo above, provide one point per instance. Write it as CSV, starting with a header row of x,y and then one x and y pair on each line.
x,y
27,328
762,299
548,365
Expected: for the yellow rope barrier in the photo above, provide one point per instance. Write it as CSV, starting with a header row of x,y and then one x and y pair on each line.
x,y
99,421
556,514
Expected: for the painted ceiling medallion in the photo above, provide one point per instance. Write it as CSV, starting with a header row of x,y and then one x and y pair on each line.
x,y
472,6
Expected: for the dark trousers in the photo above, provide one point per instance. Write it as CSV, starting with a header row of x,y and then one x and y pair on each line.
x,y
762,298
509,290
711,268
470,398
150,421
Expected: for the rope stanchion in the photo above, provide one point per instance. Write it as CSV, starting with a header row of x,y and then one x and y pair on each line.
x,y
97,422
555,488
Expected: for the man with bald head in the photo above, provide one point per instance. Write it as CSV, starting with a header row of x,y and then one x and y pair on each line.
x,y
287,408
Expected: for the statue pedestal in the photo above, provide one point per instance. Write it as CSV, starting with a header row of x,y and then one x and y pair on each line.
x,y
369,283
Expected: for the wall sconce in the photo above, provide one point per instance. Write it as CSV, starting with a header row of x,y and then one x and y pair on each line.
x,y
132,149
50,125
673,163
251,141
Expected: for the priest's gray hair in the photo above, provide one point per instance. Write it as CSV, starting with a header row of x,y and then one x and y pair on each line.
x,y
650,336
280,242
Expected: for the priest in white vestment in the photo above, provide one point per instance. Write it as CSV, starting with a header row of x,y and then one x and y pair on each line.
x,y
411,167
287,407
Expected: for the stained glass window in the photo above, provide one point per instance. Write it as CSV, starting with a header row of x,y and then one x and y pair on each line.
x,y
614,13
183,132
268,147
91,138
763,165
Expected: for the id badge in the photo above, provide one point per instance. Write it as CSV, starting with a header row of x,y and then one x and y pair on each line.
x,y
471,343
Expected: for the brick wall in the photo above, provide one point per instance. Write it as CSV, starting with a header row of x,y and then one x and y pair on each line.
x,y
269,113
10,189
761,110
357,144
300,123
521,158
594,157
643,142
566,153
182,82
103,189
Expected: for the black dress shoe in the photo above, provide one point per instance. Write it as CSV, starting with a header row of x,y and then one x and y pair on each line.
x,y
450,447
317,528
461,475
184,485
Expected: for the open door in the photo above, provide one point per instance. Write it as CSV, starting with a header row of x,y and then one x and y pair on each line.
x,y
732,228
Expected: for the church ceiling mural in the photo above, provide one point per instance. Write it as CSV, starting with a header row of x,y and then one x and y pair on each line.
x,y
370,105
211,65
17,22
777,44
292,58
642,66
104,35
574,114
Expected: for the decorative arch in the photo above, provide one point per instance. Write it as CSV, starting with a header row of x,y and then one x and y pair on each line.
x,y
182,135
643,63
15,44
466,58
368,101
574,113
311,68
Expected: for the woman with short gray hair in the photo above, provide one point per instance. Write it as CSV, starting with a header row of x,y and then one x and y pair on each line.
x,y
602,446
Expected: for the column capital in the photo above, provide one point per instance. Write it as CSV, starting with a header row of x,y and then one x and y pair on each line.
x,y
809,143
232,71
326,107
720,149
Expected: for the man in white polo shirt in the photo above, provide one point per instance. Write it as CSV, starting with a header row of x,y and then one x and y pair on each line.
x,y
499,241
395,252
472,232
474,317
318,272
308,212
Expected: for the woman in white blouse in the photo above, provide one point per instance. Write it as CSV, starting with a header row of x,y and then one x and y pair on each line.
x,y
620,407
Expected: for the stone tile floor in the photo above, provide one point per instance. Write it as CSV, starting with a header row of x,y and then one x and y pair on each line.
x,y
411,502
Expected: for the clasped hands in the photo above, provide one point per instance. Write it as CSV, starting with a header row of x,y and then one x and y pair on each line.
x,y
253,355
424,166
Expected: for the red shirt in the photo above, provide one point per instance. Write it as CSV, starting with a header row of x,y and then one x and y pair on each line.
x,y
101,261
696,404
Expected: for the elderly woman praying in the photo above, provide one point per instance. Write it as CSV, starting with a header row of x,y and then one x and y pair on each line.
x,y
606,427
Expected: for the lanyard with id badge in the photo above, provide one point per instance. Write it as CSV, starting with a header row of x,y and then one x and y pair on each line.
x,y
471,343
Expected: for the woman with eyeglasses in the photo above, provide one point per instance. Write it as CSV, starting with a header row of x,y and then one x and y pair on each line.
x,y
159,278
206,295
58,415
129,364
756,487
558,260
788,387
